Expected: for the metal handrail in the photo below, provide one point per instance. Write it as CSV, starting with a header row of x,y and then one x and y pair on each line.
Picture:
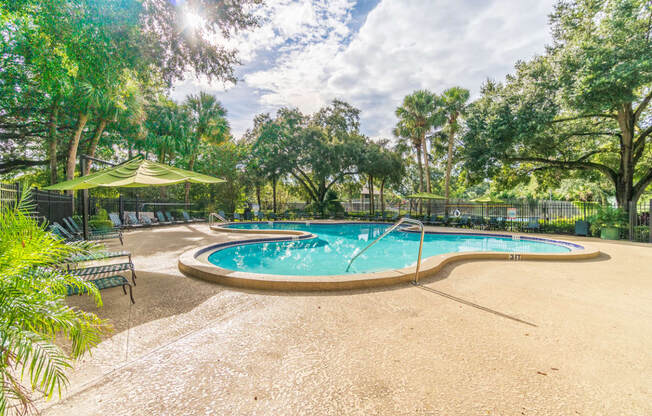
x,y
214,215
389,230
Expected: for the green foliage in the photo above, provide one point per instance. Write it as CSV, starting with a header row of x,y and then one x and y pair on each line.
x,y
608,217
579,110
33,311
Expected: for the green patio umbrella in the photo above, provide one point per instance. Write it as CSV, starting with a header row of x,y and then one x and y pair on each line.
x,y
488,200
424,195
134,173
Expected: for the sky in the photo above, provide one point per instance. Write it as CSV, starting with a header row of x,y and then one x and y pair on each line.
x,y
371,53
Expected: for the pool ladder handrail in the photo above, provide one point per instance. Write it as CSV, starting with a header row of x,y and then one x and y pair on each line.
x,y
212,216
389,230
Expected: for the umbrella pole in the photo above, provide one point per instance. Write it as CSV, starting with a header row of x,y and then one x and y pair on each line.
x,y
83,162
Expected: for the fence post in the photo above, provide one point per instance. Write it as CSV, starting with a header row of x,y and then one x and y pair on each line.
x,y
121,209
632,219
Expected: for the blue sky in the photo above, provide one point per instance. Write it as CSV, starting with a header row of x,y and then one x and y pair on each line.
x,y
372,53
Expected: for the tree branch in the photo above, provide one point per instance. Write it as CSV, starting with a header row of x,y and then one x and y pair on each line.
x,y
642,106
641,138
8,166
560,120
573,164
641,185
305,185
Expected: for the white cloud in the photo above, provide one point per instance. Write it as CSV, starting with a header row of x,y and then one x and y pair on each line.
x,y
307,53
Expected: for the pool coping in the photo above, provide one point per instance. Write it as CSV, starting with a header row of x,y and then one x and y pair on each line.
x,y
195,263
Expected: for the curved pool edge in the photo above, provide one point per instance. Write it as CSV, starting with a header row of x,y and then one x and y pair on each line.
x,y
194,263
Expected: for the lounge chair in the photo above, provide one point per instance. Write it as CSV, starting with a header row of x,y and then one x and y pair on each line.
x,y
161,218
260,216
147,221
170,218
75,228
104,276
65,235
133,221
236,216
187,217
533,224
115,219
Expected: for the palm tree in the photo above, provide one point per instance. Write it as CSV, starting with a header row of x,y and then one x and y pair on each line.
x,y
85,97
454,103
208,123
417,116
127,104
34,316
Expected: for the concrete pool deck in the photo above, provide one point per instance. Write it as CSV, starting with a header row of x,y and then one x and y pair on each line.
x,y
483,337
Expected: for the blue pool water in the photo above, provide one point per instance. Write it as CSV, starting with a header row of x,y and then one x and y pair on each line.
x,y
336,244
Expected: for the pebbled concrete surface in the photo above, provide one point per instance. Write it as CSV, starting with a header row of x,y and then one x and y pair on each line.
x,y
481,338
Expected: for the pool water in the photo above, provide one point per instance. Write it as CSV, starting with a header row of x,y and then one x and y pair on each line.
x,y
336,244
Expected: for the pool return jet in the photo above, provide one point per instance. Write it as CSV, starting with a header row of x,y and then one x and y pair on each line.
x,y
389,230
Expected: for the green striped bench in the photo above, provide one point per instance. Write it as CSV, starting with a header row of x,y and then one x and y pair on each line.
x,y
98,255
105,269
106,283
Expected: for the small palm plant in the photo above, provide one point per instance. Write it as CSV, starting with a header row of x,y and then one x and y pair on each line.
x,y
33,312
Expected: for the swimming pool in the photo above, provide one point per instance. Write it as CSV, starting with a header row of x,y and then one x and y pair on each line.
x,y
328,252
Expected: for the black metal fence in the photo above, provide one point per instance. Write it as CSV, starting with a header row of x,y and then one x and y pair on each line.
x,y
138,206
552,216
9,193
639,222
51,205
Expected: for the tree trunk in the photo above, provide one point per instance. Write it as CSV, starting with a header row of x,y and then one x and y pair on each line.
x,y
191,164
74,144
258,195
426,162
370,189
54,141
449,160
382,196
92,146
274,194
420,176
625,181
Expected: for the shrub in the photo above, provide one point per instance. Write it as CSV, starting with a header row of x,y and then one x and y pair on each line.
x,y
33,311
608,217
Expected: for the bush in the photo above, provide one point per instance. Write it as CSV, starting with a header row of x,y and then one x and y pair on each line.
x,y
608,217
98,224
33,311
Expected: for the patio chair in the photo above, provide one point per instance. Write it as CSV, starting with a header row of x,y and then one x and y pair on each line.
x,y
187,217
464,221
133,221
115,219
533,224
236,217
104,276
493,223
147,221
271,216
161,218
75,228
260,216
65,235
170,218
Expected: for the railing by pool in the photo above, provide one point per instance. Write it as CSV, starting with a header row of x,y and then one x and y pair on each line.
x,y
389,230
213,216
